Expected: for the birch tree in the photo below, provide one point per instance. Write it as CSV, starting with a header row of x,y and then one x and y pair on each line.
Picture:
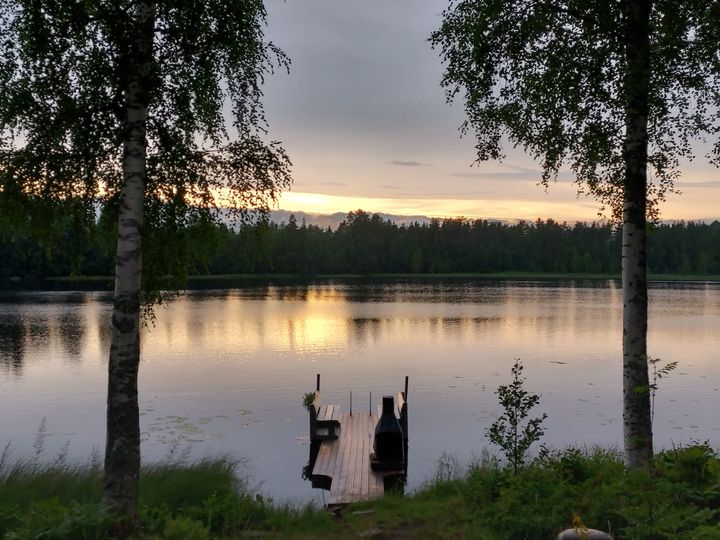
x,y
611,90
153,109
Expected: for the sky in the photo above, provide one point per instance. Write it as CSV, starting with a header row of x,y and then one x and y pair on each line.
x,y
366,124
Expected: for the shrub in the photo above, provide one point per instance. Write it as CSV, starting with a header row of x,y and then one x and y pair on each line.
x,y
511,431
182,528
52,520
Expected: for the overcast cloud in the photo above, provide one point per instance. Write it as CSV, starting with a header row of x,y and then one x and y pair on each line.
x,y
362,116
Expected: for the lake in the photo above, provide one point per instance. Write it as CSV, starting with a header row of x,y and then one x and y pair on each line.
x,y
224,371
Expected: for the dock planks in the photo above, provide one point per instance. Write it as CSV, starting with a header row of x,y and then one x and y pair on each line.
x,y
346,460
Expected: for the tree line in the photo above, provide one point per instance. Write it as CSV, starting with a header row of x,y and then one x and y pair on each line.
x,y
366,243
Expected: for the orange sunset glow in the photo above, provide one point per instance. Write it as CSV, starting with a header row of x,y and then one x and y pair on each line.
x,y
366,124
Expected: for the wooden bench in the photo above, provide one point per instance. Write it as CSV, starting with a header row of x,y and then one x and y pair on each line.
x,y
324,420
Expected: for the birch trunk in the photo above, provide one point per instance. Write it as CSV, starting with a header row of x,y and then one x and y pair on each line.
x,y
122,449
637,427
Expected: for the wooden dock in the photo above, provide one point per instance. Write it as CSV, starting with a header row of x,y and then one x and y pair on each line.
x,y
341,448
345,462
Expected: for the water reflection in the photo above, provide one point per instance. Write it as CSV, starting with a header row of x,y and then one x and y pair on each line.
x,y
37,327
340,315
12,345
224,370
103,330
71,328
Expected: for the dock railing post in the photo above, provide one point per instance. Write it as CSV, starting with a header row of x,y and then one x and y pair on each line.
x,y
405,423
350,402
317,384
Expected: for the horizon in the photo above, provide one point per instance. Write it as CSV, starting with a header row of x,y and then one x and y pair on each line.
x,y
333,219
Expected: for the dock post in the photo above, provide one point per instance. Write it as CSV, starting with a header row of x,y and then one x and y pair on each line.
x,y
404,424
350,402
370,404
317,384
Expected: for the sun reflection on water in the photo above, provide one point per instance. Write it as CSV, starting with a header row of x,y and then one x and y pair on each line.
x,y
224,370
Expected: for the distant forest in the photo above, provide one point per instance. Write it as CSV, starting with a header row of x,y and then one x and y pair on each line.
x,y
368,244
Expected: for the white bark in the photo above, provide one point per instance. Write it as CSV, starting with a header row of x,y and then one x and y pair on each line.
x,y
637,424
637,428
122,451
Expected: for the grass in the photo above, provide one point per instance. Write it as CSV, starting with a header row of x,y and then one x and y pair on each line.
x,y
200,500
680,500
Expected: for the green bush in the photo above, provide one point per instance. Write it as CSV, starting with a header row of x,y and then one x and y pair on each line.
x,y
25,482
179,486
678,500
52,520
182,528
696,464
513,432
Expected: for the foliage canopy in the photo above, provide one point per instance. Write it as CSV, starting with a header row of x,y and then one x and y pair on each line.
x,y
550,76
63,74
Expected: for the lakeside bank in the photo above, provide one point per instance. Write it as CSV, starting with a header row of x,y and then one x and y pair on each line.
x,y
679,499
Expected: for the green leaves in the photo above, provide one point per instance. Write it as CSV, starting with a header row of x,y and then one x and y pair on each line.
x,y
64,69
549,76
511,432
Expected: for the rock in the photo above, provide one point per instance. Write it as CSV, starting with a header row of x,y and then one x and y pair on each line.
x,y
583,534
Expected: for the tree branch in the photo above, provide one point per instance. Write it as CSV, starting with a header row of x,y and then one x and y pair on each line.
x,y
580,16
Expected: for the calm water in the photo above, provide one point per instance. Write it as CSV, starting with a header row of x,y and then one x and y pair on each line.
x,y
224,371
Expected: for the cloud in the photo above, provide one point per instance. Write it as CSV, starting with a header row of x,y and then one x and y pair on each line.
x,y
331,184
518,175
710,184
519,168
401,163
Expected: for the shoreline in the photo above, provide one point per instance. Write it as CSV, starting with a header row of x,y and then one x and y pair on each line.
x,y
199,282
484,499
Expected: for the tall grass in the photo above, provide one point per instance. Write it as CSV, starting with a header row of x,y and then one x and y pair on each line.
x,y
50,499
202,499
25,481
678,500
